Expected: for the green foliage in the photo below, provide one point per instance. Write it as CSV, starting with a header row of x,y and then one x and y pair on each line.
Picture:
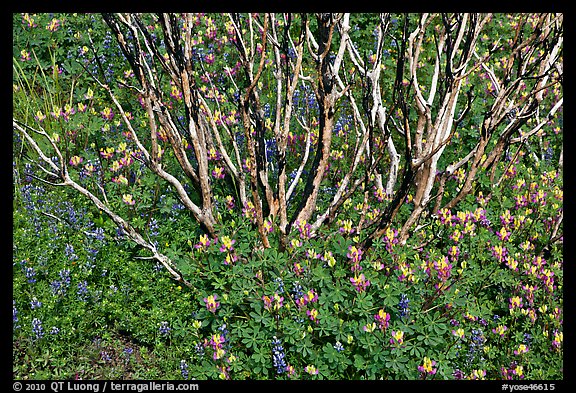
x,y
477,290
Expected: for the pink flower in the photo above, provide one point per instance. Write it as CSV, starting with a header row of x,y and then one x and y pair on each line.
x,y
397,337
211,304
75,160
426,367
383,319
107,114
313,315
360,283
218,172
127,199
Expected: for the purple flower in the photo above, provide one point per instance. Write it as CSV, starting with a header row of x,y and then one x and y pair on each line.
x,y
30,274
37,328
35,303
403,306
184,369
164,328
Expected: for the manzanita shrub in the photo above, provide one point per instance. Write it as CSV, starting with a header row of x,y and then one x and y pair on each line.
x,y
473,291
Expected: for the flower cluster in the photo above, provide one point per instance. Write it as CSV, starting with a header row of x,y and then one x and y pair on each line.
x,y
309,297
211,304
426,368
278,356
273,303
360,282
383,319
397,338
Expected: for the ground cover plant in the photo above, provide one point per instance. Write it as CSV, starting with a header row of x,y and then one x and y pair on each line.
x,y
287,196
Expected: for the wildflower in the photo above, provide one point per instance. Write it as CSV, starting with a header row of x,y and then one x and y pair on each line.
x,y
470,317
338,346
290,371
522,348
217,342
530,289
268,226
557,341
380,194
34,304
458,374
456,235
37,328
305,229
360,283
443,268
227,244
116,166
346,228
203,243
500,330
184,369
279,284
476,346
313,315
54,25
311,296
298,268
506,218
458,333
107,114
499,253
82,290
218,172
370,327
390,238
28,20
273,303
453,252
512,263
107,152
76,160
14,314
295,243
25,55
54,330
230,259
310,369
211,303
478,374
40,117
383,319
445,216
164,328
278,356
213,154
426,367
403,305
297,290
515,302
354,254
518,371
105,356
127,199
230,202
397,337
503,234
329,258
30,274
